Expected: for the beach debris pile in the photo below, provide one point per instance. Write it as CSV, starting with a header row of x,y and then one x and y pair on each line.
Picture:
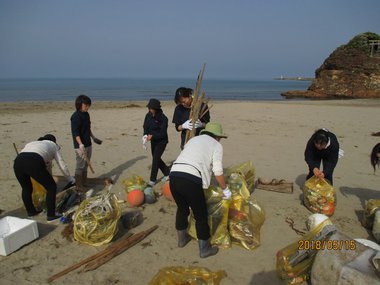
x,y
187,275
138,192
294,261
96,220
237,220
371,218
319,196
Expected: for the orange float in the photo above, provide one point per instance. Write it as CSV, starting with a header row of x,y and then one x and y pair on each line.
x,y
166,191
135,197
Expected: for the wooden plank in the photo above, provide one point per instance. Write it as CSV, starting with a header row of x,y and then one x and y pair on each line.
x,y
286,187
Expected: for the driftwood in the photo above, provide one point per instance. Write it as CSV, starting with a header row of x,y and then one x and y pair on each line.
x,y
275,185
107,254
134,239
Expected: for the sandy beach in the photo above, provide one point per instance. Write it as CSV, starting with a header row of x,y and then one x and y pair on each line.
x,y
272,135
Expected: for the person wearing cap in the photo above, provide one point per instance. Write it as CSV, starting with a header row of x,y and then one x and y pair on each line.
x,y
35,161
82,134
322,146
181,117
156,131
189,175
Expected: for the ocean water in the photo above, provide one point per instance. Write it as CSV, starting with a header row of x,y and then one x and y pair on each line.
x,y
141,89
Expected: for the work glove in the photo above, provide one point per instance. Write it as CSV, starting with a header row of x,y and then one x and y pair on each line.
x,y
82,149
188,125
198,124
227,193
96,140
144,141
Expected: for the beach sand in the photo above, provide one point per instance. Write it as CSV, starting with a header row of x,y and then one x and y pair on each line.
x,y
272,135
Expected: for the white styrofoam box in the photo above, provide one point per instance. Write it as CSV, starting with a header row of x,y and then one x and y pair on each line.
x,y
16,232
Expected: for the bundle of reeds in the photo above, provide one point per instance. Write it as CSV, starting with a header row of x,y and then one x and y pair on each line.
x,y
199,104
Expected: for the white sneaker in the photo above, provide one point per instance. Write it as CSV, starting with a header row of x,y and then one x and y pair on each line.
x,y
165,178
151,183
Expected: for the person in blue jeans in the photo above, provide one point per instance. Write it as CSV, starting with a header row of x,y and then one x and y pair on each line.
x,y
156,132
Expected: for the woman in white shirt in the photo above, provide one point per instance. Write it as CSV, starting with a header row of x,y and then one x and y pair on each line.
x,y
190,174
35,161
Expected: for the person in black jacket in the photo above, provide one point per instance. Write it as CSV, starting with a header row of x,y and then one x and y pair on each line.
x,y
156,131
181,117
322,146
82,134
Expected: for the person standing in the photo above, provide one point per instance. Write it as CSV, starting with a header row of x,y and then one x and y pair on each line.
x,y
82,134
189,175
35,161
181,117
375,156
156,131
323,146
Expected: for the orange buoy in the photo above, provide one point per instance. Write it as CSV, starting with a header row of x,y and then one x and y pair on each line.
x,y
135,197
166,191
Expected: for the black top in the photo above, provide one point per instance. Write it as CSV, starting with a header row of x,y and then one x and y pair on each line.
x,y
81,126
330,154
156,126
182,114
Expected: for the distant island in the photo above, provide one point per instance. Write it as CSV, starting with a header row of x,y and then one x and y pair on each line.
x,y
299,78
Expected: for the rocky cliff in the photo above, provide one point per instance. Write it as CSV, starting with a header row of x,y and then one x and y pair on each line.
x,y
351,71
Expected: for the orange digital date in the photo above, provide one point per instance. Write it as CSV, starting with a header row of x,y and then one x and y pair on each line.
x,y
326,244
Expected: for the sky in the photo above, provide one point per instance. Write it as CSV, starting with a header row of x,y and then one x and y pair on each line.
x,y
237,39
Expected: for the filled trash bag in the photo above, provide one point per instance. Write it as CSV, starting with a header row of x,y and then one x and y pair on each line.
x,y
319,196
245,218
294,261
38,195
369,213
135,182
95,221
247,171
217,209
187,275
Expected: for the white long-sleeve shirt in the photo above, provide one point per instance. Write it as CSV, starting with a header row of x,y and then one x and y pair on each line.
x,y
201,156
48,150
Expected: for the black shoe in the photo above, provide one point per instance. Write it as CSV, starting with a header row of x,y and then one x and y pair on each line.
x,y
36,213
53,218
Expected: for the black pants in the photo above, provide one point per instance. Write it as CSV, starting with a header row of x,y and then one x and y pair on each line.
x,y
188,194
31,165
328,175
158,149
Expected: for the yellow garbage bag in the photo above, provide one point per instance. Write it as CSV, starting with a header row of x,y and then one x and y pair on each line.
x,y
245,218
319,196
217,209
178,275
369,213
247,171
300,271
38,195
135,182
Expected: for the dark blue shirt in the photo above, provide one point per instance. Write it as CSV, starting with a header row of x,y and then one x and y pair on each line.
x,y
81,126
182,114
156,126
